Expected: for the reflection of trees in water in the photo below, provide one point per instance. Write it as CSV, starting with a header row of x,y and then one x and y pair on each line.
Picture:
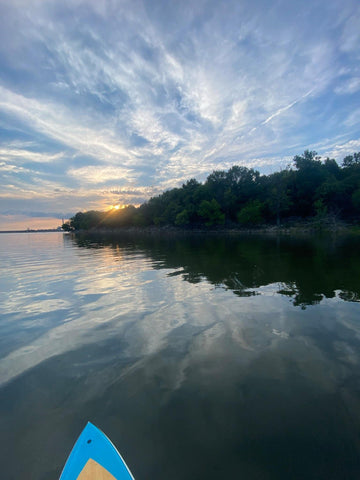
x,y
306,270
350,296
301,299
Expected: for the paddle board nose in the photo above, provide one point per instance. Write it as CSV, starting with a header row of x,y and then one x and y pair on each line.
x,y
94,457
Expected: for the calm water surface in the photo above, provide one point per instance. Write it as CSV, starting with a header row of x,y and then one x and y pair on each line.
x,y
201,358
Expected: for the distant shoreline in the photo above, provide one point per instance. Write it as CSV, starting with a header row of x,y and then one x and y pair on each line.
x,y
300,228
46,230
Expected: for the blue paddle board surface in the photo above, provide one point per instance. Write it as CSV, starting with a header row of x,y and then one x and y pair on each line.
x,y
94,444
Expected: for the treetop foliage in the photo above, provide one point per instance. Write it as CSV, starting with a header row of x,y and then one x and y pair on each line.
x,y
311,187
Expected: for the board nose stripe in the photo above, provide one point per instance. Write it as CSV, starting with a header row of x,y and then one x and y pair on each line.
x,y
94,471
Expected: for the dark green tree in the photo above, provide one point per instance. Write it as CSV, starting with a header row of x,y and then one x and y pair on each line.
x,y
251,213
67,227
182,218
279,194
211,213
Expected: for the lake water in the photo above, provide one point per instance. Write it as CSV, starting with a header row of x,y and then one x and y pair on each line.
x,y
201,358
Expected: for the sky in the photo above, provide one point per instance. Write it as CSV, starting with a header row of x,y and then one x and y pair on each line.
x,y
110,102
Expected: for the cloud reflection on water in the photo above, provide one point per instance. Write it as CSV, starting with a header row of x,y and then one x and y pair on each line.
x,y
135,290
231,346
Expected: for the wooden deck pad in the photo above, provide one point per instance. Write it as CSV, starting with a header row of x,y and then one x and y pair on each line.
x,y
94,471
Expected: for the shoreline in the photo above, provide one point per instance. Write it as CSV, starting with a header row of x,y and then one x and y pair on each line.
x,y
287,230
49,230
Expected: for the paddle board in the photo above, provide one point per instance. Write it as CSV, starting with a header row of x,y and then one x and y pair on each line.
x,y
94,457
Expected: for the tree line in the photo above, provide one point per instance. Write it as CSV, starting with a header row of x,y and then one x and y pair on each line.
x,y
311,187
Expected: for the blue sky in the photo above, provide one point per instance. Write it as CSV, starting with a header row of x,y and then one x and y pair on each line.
x,y
110,102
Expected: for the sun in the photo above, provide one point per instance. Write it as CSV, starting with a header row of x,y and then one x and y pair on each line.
x,y
116,207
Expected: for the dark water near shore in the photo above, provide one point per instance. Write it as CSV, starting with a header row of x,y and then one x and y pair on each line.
x,y
201,358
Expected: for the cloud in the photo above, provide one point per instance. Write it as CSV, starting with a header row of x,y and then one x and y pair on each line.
x,y
24,155
100,94
287,107
340,151
349,86
350,40
99,175
60,123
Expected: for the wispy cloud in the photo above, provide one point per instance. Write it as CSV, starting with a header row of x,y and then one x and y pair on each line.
x,y
99,175
24,155
349,86
287,107
341,150
61,124
102,95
